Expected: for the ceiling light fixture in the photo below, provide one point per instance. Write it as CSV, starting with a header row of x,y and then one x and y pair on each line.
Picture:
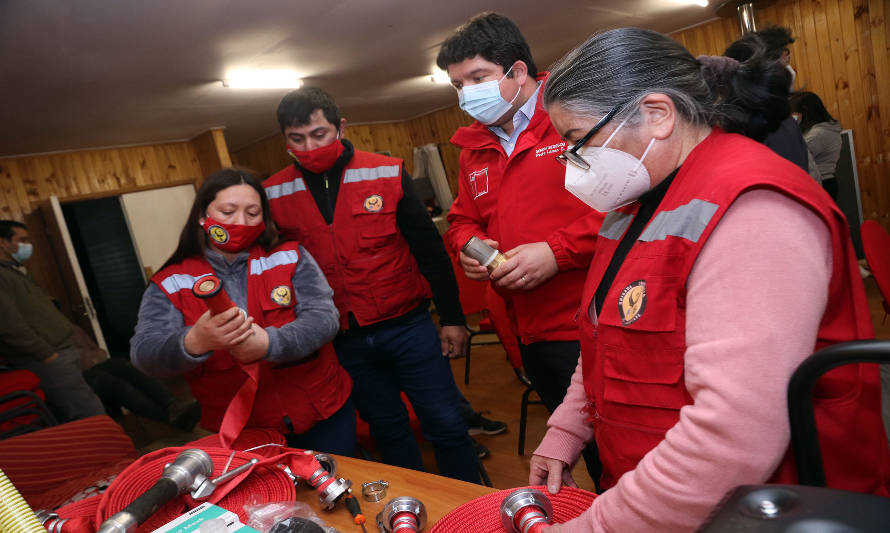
x,y
262,79
440,76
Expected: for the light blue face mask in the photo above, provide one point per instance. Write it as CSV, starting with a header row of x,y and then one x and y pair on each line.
x,y
23,253
483,101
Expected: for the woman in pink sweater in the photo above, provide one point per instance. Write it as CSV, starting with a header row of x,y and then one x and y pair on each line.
x,y
719,268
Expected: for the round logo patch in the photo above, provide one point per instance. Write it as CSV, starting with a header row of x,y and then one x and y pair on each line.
x,y
218,234
281,295
632,302
373,203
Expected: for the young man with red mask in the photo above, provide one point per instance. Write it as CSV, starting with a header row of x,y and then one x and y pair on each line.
x,y
357,214
511,195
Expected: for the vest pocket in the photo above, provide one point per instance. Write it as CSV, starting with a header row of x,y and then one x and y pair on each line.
x,y
277,304
375,233
392,294
652,378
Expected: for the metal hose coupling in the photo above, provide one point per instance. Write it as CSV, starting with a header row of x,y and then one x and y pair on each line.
x,y
526,511
191,468
330,489
403,515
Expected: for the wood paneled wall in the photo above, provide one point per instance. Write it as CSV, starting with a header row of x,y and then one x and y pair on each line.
x,y
26,181
842,53
268,155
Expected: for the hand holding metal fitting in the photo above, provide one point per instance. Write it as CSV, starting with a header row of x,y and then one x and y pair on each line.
x,y
482,252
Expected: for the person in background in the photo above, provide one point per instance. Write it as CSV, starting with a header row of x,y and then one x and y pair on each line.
x,y
685,361
511,195
785,138
278,335
357,213
35,335
822,133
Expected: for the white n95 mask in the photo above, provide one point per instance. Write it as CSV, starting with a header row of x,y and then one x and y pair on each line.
x,y
614,179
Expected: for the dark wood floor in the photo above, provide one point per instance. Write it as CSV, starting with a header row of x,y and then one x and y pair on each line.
x,y
493,387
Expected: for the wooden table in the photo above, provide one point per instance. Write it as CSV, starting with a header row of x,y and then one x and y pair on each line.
x,y
439,494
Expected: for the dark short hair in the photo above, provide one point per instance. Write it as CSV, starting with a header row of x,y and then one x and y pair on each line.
x,y
192,239
773,39
812,110
296,108
491,36
6,228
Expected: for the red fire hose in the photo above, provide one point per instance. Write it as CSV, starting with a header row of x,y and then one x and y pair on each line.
x,y
266,482
482,515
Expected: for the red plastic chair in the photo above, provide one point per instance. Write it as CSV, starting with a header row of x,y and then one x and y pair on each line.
x,y
876,244
22,407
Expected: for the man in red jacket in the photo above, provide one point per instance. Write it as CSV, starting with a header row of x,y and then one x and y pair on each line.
x,y
511,194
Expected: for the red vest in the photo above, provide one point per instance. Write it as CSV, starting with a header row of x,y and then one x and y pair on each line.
x,y
518,199
305,391
634,367
364,256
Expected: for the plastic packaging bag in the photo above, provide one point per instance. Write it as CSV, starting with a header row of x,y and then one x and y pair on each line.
x,y
264,517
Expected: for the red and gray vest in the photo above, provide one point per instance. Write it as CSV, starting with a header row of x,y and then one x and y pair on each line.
x,y
633,358
306,391
363,255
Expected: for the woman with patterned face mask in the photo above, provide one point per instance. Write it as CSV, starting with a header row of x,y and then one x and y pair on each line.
x,y
268,362
719,268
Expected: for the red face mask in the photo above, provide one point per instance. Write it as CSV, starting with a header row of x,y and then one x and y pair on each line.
x,y
232,237
320,159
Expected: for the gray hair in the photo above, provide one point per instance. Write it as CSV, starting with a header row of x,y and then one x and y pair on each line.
x,y
620,67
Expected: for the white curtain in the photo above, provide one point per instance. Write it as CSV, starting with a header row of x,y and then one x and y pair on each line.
x,y
428,164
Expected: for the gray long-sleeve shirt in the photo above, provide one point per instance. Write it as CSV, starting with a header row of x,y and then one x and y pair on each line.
x,y
158,346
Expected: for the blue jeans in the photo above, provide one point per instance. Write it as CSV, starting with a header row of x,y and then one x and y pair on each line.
x,y
335,434
407,357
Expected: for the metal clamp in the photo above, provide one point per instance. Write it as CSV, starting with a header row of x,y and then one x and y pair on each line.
x,y
374,491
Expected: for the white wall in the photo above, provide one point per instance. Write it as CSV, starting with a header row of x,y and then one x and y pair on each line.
x,y
156,218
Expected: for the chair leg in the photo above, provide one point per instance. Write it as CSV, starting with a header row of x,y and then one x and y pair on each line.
x,y
467,362
523,419
483,473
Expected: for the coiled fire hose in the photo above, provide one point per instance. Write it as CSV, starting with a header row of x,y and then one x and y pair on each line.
x,y
15,514
484,513
265,482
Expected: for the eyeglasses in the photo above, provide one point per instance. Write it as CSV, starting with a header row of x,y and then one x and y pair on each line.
x,y
571,155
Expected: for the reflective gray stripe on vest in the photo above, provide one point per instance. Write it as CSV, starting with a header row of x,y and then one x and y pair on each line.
x,y
283,189
687,222
177,282
615,224
353,175
284,257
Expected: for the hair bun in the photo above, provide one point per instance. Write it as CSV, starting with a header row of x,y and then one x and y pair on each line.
x,y
717,70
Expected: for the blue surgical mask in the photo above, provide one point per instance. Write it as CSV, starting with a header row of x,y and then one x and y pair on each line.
x,y
24,252
483,101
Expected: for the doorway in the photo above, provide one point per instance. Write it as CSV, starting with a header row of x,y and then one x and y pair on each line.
x,y
118,242
110,267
